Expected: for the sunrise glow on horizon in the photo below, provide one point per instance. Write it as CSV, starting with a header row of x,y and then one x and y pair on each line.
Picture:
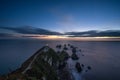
x,y
64,37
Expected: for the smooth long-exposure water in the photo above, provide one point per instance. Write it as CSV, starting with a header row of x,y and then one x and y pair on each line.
x,y
103,57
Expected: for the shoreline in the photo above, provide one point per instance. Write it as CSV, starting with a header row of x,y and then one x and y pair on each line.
x,y
29,65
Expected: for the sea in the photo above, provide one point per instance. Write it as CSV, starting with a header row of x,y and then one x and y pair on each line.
x,y
102,56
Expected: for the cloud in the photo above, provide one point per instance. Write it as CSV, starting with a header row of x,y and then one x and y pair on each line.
x,y
94,33
5,35
30,30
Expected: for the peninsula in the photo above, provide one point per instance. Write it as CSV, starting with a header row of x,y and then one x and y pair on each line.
x,y
47,63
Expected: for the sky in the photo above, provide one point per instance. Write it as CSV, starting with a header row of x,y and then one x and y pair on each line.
x,y
61,15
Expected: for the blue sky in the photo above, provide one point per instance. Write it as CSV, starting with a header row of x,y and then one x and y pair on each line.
x,y
61,15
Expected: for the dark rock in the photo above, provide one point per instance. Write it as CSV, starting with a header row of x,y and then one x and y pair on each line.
x,y
74,57
58,46
65,48
86,70
78,67
83,55
80,50
89,68
74,50
71,46
68,44
82,65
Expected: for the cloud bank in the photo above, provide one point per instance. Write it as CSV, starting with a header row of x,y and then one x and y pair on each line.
x,y
28,31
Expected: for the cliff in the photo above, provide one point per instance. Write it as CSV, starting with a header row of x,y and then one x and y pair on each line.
x,y
43,65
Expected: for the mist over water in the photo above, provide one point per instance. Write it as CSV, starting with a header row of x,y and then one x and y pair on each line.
x,y
103,57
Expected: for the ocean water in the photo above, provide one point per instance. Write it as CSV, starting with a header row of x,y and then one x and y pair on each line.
x,y
103,57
